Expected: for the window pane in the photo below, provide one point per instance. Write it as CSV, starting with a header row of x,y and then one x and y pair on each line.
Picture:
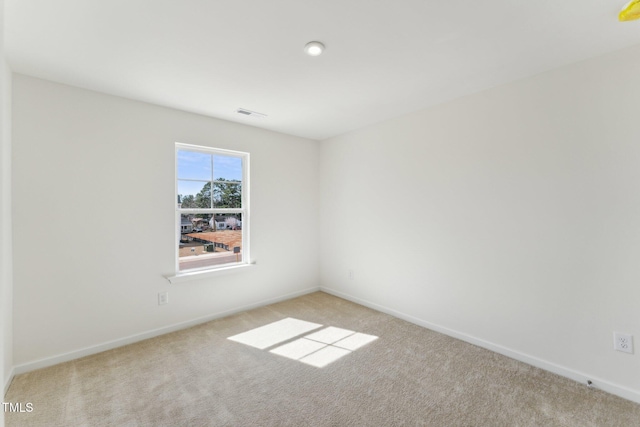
x,y
194,194
227,168
194,165
227,194
209,240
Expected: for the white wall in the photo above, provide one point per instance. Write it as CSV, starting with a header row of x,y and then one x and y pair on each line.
x,y
510,218
6,275
93,219
6,269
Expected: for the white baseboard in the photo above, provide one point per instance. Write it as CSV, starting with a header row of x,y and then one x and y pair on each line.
x,y
580,377
7,381
87,351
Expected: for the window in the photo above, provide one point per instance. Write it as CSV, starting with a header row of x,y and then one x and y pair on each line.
x,y
212,214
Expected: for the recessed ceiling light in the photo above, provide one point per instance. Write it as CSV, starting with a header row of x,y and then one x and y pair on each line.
x,y
313,48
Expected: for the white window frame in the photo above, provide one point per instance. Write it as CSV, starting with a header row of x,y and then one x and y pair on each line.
x,y
244,210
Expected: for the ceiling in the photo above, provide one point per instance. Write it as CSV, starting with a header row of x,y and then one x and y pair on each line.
x,y
383,58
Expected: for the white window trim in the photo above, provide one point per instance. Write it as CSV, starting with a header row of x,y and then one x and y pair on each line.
x,y
215,270
191,275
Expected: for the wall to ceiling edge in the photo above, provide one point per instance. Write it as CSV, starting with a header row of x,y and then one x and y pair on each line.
x,y
93,221
509,218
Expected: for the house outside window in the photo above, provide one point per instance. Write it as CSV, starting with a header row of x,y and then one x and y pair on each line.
x,y
212,212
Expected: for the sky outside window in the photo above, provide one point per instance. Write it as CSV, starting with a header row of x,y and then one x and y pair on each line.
x,y
227,167
194,165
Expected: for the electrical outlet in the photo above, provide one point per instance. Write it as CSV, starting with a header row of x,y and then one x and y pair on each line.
x,y
163,298
623,342
351,275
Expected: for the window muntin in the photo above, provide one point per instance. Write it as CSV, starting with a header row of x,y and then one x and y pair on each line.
x,y
212,211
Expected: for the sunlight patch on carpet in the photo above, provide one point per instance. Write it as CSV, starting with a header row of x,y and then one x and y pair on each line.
x,y
317,349
298,348
330,335
355,341
324,356
274,333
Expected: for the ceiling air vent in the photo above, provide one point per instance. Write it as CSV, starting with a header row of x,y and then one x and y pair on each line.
x,y
250,113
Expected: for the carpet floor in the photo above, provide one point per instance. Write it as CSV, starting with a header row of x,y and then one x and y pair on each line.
x,y
385,372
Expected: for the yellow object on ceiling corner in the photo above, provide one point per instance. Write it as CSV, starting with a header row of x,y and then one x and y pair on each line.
x,y
630,11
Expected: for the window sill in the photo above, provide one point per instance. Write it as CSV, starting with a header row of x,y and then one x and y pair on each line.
x,y
205,274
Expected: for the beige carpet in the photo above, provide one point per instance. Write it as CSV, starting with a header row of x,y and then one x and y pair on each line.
x,y
409,376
